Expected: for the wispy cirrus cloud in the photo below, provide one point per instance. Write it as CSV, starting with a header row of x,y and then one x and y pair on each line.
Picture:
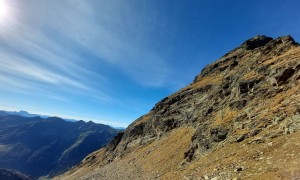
x,y
18,66
77,51
52,42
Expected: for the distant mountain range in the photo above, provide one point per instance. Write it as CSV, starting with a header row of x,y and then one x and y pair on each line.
x,y
27,114
39,145
8,174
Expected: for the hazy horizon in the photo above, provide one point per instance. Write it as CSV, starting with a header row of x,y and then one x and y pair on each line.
x,y
105,122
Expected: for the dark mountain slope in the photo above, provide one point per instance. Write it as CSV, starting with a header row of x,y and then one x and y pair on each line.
x,y
8,174
39,146
240,118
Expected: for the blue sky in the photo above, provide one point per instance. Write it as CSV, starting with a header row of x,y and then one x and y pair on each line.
x,y
111,61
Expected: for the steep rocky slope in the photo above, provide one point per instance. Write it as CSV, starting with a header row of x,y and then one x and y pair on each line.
x,y
240,118
39,147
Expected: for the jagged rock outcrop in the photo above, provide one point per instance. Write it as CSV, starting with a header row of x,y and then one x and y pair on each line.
x,y
249,96
215,102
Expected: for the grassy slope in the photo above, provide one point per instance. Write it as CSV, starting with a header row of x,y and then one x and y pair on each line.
x,y
274,153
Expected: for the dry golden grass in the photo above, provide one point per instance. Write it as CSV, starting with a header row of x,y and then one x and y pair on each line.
x,y
204,81
167,154
250,75
143,119
241,131
224,116
276,104
278,159
280,61
84,167
156,158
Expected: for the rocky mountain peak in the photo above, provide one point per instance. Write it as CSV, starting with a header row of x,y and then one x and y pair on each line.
x,y
261,40
248,99
256,42
232,84
258,46
222,92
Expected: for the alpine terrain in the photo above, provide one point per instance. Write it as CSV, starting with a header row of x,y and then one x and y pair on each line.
x,y
39,147
8,174
239,119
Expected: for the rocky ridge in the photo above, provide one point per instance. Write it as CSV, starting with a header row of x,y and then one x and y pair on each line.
x,y
8,174
249,98
40,147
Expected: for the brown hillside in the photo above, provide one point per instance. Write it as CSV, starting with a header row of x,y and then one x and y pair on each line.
x,y
239,119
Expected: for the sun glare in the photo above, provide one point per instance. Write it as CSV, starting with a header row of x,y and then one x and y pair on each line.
x,y
3,10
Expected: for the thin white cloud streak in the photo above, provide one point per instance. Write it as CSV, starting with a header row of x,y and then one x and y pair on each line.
x,y
7,85
104,31
27,69
99,27
52,64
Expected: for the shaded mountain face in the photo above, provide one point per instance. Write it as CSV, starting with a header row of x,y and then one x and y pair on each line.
x,y
8,174
21,113
27,114
38,146
240,118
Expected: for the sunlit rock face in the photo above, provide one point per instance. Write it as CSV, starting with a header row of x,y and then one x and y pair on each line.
x,y
240,118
